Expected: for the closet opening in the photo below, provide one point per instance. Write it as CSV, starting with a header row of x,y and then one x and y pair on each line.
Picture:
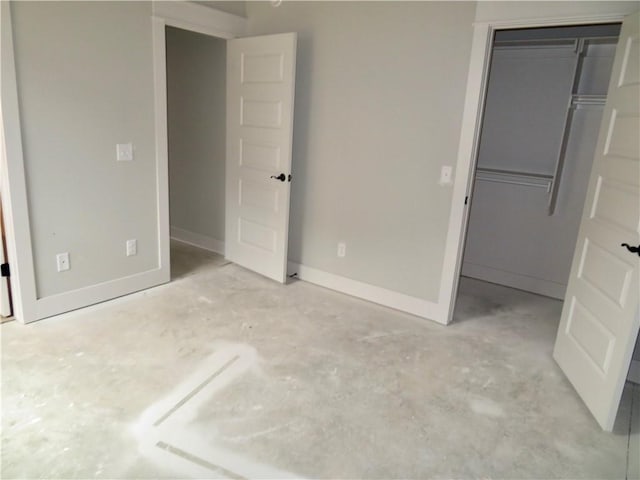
x,y
544,101
196,125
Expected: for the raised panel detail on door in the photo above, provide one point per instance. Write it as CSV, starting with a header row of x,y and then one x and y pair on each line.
x,y
631,66
260,113
255,235
601,316
606,204
259,156
605,273
260,93
593,338
262,68
257,196
622,140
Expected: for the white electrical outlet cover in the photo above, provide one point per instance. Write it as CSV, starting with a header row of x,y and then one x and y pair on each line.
x,y
124,152
62,262
132,247
446,174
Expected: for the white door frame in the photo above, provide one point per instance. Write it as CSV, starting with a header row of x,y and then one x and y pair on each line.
x,y
482,44
12,176
194,18
27,306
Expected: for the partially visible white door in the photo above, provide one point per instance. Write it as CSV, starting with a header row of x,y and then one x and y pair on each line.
x,y
5,302
600,317
260,93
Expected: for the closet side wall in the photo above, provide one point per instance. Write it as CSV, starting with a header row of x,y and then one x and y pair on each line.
x,y
511,238
196,96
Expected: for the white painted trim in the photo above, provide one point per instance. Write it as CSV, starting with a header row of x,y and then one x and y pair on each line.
x,y
197,240
195,18
483,33
200,19
162,146
469,135
14,186
634,372
82,297
388,298
27,307
540,286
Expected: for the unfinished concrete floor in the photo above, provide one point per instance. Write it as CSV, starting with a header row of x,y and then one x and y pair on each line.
x,y
223,373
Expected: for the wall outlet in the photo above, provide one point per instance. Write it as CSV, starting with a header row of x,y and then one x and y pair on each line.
x,y
446,175
62,261
132,247
342,249
124,152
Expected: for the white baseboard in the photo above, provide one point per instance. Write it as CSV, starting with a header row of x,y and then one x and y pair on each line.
x,y
634,372
197,240
82,297
388,298
515,280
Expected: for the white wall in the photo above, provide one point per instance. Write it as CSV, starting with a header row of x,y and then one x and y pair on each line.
x,y
235,7
85,76
196,99
379,96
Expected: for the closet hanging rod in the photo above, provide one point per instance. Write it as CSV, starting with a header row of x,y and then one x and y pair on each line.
x,y
588,100
515,173
510,177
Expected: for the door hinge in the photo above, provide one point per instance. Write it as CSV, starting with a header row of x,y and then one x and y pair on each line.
x,y
466,200
4,270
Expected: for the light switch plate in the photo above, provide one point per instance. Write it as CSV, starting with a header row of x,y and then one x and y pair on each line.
x,y
62,262
124,152
132,247
446,175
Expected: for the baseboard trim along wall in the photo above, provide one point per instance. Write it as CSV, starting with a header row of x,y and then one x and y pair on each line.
x,y
515,280
101,292
197,240
634,372
381,296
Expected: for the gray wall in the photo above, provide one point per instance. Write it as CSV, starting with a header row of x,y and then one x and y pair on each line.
x,y
85,77
196,96
235,7
379,96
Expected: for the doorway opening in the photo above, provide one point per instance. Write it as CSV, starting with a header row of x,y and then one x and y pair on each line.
x,y
543,109
196,121
545,97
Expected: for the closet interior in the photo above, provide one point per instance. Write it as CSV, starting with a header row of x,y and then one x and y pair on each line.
x,y
546,92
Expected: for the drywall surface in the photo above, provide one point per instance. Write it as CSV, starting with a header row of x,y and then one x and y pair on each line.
x,y
235,7
196,101
85,76
379,96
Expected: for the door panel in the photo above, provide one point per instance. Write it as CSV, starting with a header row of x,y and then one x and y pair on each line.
x,y
260,88
5,299
600,318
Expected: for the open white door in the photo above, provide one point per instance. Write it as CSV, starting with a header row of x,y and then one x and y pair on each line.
x,y
5,301
260,93
600,317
